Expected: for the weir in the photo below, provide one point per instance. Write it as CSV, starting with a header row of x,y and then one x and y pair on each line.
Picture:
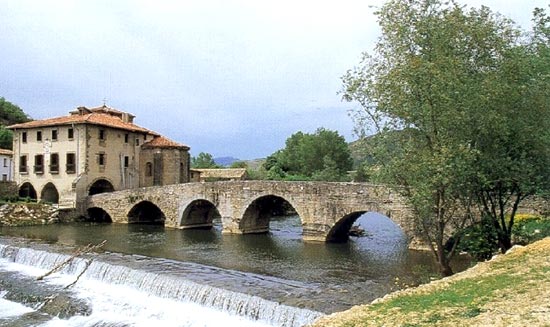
x,y
164,286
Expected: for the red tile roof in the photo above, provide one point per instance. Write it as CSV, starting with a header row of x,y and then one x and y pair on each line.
x,y
165,143
6,152
95,116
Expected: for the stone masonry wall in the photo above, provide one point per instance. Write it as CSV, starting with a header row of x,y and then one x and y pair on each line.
x,y
320,205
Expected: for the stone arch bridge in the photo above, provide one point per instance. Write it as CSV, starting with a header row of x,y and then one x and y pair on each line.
x,y
327,210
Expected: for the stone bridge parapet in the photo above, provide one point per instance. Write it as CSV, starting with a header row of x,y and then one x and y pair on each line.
x,y
327,210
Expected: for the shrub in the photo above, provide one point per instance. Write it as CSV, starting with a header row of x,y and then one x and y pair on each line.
x,y
479,240
530,228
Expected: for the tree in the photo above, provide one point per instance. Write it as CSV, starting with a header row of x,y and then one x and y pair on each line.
x,y
323,155
425,93
9,114
514,153
203,160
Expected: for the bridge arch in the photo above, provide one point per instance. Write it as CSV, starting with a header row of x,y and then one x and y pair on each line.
x,y
49,193
99,215
146,212
198,213
100,185
340,231
27,190
256,216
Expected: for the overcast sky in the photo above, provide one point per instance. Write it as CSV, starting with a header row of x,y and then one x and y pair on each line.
x,y
232,78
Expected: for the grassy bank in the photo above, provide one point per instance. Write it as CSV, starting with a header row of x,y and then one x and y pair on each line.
x,y
509,290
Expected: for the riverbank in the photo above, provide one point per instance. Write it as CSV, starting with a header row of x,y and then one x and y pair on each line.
x,y
28,214
509,290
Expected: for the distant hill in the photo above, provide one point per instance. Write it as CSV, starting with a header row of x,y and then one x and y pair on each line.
x,y
255,164
225,161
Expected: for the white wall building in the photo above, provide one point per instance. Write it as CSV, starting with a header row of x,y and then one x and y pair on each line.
x,y
6,165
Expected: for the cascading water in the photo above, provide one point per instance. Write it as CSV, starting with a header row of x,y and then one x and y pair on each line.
x,y
125,296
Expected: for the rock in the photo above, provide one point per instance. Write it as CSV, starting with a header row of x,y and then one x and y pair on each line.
x,y
64,306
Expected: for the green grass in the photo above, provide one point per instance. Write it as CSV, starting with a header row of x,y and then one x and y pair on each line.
x,y
463,297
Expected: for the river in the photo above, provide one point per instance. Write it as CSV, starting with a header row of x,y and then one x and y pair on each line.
x,y
150,275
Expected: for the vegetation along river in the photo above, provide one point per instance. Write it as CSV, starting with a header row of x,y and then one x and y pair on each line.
x,y
150,275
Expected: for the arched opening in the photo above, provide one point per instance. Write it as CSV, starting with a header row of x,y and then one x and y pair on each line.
x,y
258,214
339,233
146,212
98,215
374,226
49,194
199,214
26,190
101,186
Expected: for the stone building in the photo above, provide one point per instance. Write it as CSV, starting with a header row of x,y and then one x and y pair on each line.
x,y
6,165
92,150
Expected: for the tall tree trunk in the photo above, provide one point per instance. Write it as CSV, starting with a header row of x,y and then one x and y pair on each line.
x,y
445,269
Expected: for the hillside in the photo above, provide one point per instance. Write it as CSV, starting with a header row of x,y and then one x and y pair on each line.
x,y
509,290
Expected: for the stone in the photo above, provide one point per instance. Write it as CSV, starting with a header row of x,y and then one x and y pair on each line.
x,y
322,206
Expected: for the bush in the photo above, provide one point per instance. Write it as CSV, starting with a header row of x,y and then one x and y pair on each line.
x,y
530,228
479,240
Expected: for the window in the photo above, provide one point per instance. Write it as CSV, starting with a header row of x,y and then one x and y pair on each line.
x,y
126,161
148,169
24,137
5,162
101,159
54,163
54,134
71,163
39,136
102,135
23,164
137,141
4,177
39,164
126,137
70,133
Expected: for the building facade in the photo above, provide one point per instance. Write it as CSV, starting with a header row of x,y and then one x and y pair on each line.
x,y
92,150
6,165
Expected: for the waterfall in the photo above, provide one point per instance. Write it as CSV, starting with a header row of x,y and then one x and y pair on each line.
x,y
165,286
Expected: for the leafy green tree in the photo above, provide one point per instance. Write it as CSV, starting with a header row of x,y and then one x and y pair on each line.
x,y
425,92
203,160
9,114
361,174
514,151
323,155
6,138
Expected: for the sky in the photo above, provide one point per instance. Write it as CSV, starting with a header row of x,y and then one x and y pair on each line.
x,y
230,78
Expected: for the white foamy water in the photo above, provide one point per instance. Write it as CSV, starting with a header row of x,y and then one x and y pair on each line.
x,y
11,309
121,296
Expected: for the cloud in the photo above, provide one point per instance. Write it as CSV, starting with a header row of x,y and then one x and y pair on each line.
x,y
226,77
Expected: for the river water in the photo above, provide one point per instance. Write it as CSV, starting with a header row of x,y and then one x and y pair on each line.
x,y
150,275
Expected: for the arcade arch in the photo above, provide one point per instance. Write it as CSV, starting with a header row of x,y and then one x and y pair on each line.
x,y
49,193
100,186
146,212
26,190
